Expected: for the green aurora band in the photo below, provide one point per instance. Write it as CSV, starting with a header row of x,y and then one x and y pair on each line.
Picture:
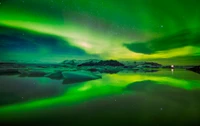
x,y
108,29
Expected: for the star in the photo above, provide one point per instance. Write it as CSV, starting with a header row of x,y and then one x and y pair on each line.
x,y
161,109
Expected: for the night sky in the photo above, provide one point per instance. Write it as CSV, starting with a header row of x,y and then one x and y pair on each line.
x,y
167,31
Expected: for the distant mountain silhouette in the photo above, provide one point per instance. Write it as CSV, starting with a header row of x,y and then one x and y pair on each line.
x,y
102,63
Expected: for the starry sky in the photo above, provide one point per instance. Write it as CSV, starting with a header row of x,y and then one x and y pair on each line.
x,y
167,32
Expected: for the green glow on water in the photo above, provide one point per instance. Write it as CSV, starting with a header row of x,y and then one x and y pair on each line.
x,y
109,85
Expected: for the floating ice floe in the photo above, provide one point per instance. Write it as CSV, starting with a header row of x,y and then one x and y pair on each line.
x,y
78,76
55,75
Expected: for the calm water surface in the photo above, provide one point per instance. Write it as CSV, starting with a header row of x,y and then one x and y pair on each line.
x,y
162,98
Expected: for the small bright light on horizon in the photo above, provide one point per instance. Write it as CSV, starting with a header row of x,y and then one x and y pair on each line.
x,y
172,70
172,66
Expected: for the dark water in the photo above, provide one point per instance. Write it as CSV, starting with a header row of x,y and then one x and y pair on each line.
x,y
161,98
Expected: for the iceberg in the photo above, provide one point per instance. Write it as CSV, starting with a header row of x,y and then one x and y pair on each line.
x,y
79,76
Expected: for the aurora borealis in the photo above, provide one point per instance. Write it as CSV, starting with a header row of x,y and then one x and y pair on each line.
x,y
141,30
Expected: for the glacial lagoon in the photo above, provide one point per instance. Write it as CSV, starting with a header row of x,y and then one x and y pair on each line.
x,y
165,97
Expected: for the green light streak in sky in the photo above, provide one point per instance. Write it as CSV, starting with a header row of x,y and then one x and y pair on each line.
x,y
102,27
